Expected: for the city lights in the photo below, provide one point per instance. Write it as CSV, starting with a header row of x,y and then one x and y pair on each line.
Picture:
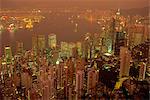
x,y
74,50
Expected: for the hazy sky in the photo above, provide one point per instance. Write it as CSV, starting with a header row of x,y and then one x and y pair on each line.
x,y
90,3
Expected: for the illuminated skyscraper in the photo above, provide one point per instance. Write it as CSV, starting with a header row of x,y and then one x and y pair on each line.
x,y
67,49
108,44
125,58
64,49
79,48
142,71
75,52
8,55
118,12
91,82
85,49
71,70
80,62
54,55
60,67
137,34
79,83
52,41
34,42
120,41
41,42
19,47
87,46
70,49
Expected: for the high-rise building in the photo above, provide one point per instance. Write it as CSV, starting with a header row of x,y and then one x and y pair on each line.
x,y
60,68
142,71
125,58
41,42
52,41
120,41
19,47
8,55
71,70
108,43
75,52
80,64
34,42
87,46
65,49
54,55
137,34
91,82
70,49
27,80
79,83
79,48
70,97
85,49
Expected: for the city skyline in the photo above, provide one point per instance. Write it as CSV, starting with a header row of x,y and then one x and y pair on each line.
x,y
74,50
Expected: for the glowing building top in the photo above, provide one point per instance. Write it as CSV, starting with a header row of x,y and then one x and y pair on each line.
x,y
118,12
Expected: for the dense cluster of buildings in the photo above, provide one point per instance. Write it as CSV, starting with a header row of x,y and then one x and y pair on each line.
x,y
101,65
13,22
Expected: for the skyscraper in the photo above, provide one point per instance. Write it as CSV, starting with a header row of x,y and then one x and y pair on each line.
x,y
8,55
120,41
79,83
19,47
52,41
60,68
91,82
125,58
137,34
64,49
87,46
70,49
142,71
34,42
79,48
41,42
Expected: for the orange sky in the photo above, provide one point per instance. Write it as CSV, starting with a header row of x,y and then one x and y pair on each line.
x,y
103,3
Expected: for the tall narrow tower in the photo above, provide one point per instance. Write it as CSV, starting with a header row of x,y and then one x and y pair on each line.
x,y
52,41
8,55
79,83
34,42
125,58
41,42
